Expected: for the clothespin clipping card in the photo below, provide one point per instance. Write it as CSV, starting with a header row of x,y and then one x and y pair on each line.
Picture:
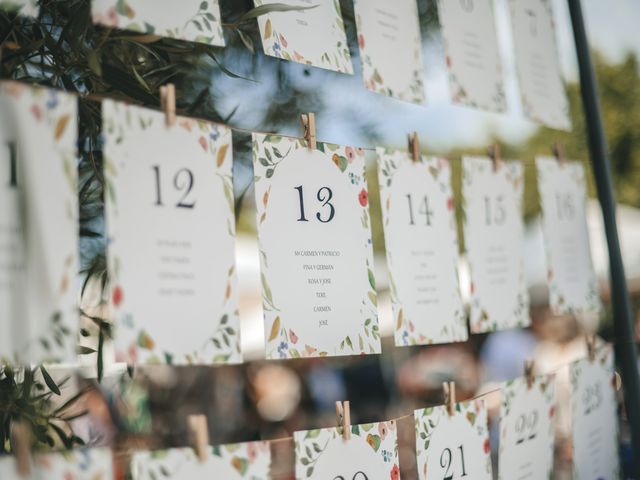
x,y
21,445
496,156
168,103
414,146
449,389
199,435
343,412
529,365
558,152
591,347
309,128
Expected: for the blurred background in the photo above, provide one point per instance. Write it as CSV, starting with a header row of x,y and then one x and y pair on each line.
x,y
267,400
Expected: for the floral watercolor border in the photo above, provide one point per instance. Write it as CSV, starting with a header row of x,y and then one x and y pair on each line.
x,y
550,167
282,342
77,464
382,437
458,92
518,387
428,419
204,26
251,461
372,78
28,8
58,110
479,320
276,44
405,330
223,346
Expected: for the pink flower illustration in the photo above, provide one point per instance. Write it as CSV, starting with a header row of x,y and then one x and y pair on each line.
x,y
363,197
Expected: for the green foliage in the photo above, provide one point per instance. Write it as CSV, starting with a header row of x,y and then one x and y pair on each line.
x,y
26,396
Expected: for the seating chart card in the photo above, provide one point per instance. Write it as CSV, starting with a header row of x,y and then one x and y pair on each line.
x,y
391,48
192,20
316,256
250,461
23,7
313,35
79,464
494,238
573,286
542,90
422,248
527,429
594,417
471,53
453,446
171,227
371,453
38,224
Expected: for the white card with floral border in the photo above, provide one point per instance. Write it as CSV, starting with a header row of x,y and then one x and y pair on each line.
x,y
391,48
371,453
471,53
494,239
313,35
573,285
527,429
171,228
316,255
238,461
38,224
192,20
453,446
542,91
594,419
422,248
23,7
77,464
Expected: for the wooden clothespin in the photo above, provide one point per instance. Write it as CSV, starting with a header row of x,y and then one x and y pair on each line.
x,y
494,152
591,347
309,128
414,146
199,435
343,412
449,389
558,152
168,103
21,445
528,372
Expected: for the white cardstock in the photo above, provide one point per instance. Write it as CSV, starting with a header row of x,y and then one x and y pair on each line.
x,y
494,239
314,35
371,453
453,446
171,227
594,417
23,7
542,90
239,461
527,429
78,464
471,53
316,255
38,224
418,213
192,20
573,286
390,48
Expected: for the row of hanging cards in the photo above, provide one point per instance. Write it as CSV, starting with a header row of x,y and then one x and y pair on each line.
x,y
390,45
171,228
